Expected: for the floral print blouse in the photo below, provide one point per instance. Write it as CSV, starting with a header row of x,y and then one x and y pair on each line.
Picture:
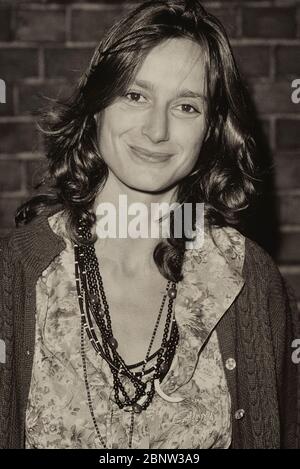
x,y
58,415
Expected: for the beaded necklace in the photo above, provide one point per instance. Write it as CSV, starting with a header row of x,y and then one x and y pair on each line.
x,y
95,316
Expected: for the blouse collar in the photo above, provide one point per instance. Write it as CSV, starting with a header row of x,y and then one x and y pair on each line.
x,y
212,279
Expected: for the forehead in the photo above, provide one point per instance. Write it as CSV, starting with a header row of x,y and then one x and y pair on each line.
x,y
174,64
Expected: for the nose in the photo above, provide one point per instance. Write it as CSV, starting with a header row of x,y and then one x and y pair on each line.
x,y
156,125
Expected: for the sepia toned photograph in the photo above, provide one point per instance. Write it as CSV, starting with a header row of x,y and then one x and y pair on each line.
x,y
149,227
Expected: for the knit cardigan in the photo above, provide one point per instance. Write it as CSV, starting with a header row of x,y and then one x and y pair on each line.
x,y
257,331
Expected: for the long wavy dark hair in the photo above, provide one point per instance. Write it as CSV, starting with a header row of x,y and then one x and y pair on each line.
x,y
225,174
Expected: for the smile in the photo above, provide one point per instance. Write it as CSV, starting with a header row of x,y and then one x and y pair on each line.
x,y
146,155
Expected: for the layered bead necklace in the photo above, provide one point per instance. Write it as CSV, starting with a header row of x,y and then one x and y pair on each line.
x,y
96,324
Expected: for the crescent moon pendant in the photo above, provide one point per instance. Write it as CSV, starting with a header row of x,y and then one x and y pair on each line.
x,y
163,395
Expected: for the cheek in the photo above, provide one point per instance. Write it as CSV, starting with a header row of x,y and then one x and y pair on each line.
x,y
111,124
191,140
118,119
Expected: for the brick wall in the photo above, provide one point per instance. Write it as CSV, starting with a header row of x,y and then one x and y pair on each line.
x,y
44,44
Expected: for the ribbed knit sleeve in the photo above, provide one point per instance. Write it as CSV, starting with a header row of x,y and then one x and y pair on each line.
x,y
283,320
285,323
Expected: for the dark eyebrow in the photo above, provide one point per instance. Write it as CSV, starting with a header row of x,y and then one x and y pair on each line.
x,y
184,93
144,84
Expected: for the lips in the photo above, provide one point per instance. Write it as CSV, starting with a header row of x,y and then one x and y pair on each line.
x,y
150,155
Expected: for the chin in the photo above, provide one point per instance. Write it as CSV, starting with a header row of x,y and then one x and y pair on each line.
x,y
148,186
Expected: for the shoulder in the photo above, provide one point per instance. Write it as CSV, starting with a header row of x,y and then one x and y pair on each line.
x,y
259,264
267,289
257,254
245,255
262,274
8,255
34,239
26,253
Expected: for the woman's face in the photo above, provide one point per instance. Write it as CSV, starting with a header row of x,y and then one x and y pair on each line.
x,y
151,137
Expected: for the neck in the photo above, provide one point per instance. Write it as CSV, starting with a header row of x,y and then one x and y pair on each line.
x,y
130,253
114,188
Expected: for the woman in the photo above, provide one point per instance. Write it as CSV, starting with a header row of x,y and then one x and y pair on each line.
x,y
142,342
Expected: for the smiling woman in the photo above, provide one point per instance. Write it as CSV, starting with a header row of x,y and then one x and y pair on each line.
x,y
144,343
159,125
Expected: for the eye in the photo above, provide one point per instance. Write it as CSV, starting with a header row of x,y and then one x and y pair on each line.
x,y
135,97
188,108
